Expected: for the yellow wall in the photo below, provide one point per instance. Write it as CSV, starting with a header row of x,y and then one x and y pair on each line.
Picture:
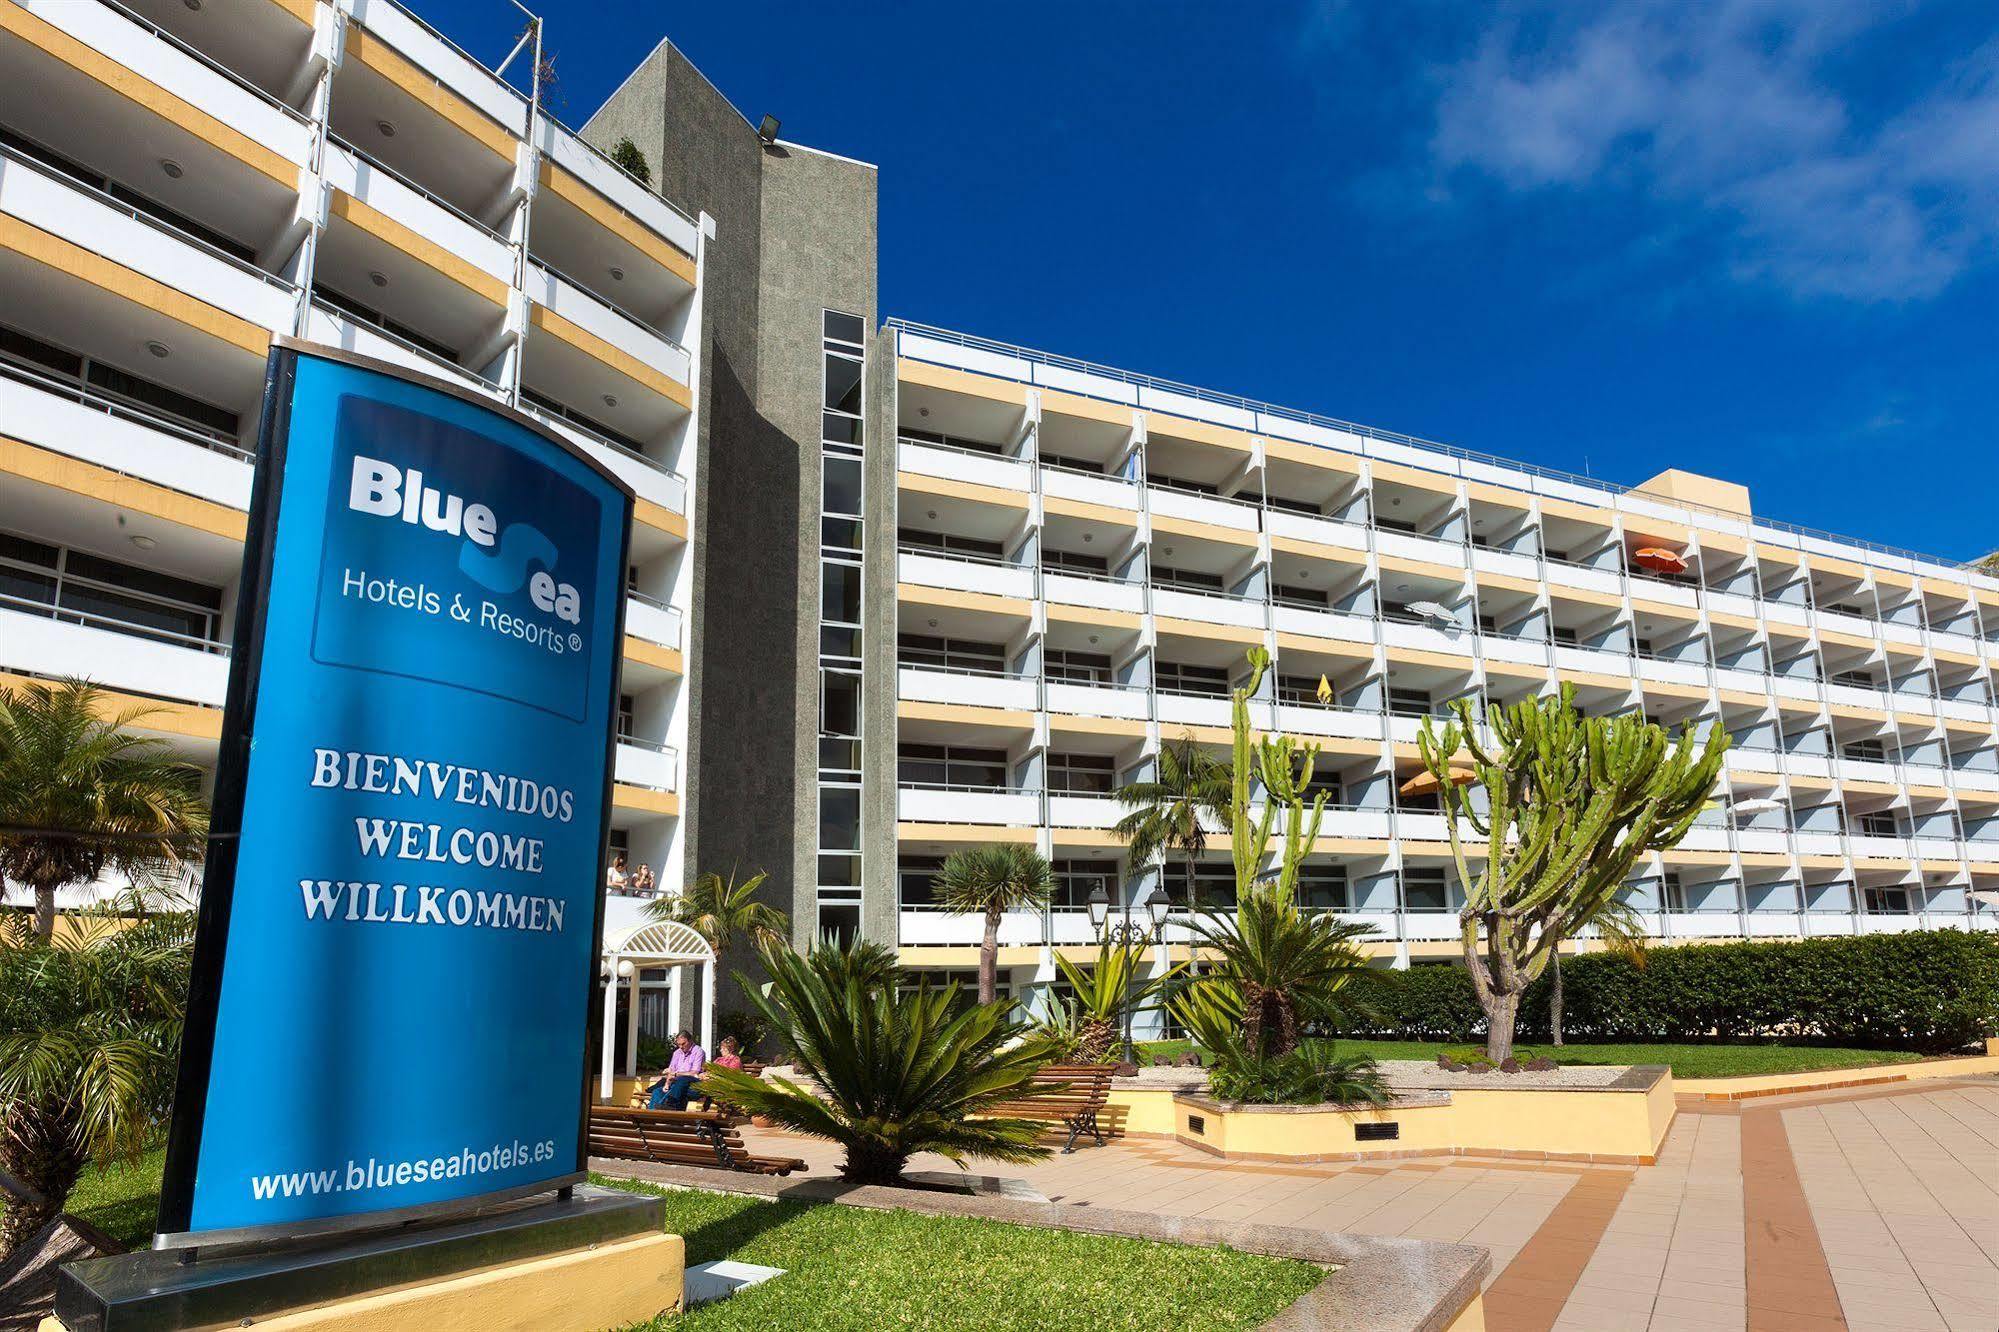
x,y
1622,1125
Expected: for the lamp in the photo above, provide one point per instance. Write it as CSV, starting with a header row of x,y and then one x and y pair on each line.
x,y
1100,907
1155,907
767,130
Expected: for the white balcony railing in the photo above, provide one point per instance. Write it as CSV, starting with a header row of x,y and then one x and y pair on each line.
x,y
59,643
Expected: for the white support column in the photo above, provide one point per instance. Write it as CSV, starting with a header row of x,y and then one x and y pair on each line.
x,y
610,1029
708,1007
632,1025
674,1020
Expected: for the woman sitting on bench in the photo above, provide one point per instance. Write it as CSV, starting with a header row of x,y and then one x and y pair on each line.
x,y
676,1084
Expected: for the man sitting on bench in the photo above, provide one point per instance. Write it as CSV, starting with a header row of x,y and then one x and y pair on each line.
x,y
676,1084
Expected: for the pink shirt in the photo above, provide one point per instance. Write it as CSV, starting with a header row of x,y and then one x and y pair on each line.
x,y
728,1061
690,1060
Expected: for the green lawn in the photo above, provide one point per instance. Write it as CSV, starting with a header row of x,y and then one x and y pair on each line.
x,y
121,1200
848,1269
1688,1061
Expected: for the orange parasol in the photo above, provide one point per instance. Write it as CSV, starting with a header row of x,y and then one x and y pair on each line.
x,y
1660,560
1425,782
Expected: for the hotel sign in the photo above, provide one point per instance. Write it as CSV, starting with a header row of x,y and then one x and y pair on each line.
x,y
399,927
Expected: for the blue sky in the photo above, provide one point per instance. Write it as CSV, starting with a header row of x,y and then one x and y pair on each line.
x,y
1753,238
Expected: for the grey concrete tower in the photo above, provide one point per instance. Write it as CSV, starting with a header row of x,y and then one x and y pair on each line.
x,y
795,238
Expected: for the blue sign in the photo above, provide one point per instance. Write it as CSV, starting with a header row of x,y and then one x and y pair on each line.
x,y
398,944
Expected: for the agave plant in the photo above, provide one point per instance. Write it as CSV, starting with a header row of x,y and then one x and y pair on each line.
x,y
901,1071
1106,991
89,1025
1284,966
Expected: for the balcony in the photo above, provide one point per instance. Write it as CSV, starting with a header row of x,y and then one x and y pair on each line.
x,y
926,803
963,573
646,763
935,927
337,328
1209,607
597,316
90,227
1195,709
1321,530
231,117
971,465
1070,810
1319,622
652,621
1088,487
48,641
649,479
1430,550
1316,719
1098,700
78,420
1192,506
425,216
566,151
967,688
1101,591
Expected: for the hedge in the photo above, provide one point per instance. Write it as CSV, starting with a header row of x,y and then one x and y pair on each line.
x,y
1935,990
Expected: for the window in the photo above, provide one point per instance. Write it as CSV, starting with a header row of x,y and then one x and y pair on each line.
x,y
625,716
1396,525
368,314
1863,751
141,602
1879,824
951,765
1672,892
1887,901
1409,702
1175,483
1303,689
1488,623
1323,887
1291,594
949,543
1207,681
1081,774
1192,580
1075,880
916,880
1290,505
842,601
1425,890
1857,679
952,441
109,381
1565,635
1078,667
1073,464
1063,561
951,654
1215,880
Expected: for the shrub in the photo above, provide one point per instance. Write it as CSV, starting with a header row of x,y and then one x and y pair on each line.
x,y
633,159
1310,1073
1932,991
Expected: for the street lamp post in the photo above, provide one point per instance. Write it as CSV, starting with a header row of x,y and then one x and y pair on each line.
x,y
1126,932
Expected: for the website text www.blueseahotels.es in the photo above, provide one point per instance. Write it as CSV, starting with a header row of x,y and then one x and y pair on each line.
x,y
359,1176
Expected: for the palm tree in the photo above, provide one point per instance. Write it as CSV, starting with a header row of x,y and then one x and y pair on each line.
x,y
990,881
89,1026
1105,992
80,794
1169,812
901,1071
723,911
1283,965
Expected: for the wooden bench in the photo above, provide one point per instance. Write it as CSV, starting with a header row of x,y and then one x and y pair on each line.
x,y
1074,1095
678,1137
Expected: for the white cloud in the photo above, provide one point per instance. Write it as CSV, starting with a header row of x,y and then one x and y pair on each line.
x,y
1729,108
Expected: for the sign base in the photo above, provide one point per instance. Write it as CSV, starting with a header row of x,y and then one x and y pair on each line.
x,y
595,1259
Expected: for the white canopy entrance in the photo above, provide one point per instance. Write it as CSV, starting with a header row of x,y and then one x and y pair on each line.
x,y
633,945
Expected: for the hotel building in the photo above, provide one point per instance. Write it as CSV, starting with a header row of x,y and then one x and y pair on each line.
x,y
180,180
898,590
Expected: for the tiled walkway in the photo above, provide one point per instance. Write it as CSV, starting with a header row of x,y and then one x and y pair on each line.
x,y
1868,1210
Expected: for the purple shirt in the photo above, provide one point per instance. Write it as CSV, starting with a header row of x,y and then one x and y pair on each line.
x,y
690,1060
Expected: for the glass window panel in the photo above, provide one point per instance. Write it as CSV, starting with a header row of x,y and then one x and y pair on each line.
x,y
838,870
837,429
843,385
842,923
839,703
134,611
840,593
840,818
845,327
839,641
842,486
